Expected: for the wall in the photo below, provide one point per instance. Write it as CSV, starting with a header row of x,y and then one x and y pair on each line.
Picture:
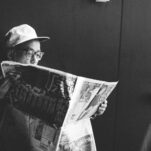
x,y
106,41
134,106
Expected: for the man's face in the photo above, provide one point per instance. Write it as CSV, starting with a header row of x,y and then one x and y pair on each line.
x,y
28,53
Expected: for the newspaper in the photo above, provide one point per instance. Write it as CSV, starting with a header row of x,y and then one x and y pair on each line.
x,y
57,105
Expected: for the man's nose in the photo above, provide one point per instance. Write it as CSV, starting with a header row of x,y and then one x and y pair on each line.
x,y
33,60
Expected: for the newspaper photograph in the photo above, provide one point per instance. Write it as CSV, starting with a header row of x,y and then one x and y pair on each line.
x,y
44,137
57,105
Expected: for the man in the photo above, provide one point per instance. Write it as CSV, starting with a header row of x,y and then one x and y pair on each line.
x,y
23,45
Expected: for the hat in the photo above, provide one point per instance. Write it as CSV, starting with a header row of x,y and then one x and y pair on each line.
x,y
21,34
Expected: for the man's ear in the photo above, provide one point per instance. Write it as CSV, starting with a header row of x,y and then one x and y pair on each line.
x,y
10,54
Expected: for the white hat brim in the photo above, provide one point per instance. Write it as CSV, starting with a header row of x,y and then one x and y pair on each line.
x,y
41,39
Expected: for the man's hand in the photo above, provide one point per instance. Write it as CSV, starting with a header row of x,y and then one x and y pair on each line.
x,y
4,87
101,109
6,82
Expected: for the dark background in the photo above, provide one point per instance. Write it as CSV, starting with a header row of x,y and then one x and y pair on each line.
x,y
107,41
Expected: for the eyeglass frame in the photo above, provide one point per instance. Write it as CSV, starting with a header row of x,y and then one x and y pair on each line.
x,y
34,53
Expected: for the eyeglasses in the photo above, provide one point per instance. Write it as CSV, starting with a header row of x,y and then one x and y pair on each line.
x,y
30,53
37,54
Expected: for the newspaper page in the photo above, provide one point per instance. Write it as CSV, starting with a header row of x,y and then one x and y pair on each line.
x,y
77,136
57,105
43,136
42,92
87,97
43,95
76,133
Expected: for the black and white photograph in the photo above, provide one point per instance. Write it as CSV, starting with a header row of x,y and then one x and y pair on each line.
x,y
75,75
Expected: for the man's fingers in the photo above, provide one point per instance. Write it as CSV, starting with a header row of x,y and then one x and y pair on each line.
x,y
4,88
102,107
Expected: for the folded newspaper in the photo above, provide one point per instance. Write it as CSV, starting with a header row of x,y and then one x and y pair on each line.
x,y
57,105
